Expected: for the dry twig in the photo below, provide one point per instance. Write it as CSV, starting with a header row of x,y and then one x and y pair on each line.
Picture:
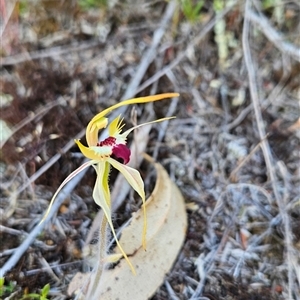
x,y
52,52
264,142
276,38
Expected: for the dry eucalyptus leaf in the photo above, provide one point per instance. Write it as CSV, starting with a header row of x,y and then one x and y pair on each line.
x,y
167,223
77,282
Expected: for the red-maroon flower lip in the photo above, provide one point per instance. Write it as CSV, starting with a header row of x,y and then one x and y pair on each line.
x,y
123,152
119,151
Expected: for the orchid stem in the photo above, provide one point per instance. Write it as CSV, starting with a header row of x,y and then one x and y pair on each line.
x,y
101,255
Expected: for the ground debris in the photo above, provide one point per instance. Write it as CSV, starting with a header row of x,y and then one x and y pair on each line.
x,y
67,64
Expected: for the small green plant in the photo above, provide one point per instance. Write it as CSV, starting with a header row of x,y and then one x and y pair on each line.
x,y
276,7
42,296
221,37
191,10
88,4
268,3
9,288
23,7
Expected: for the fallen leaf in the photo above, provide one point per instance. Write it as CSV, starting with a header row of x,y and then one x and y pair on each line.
x,y
77,282
167,223
6,132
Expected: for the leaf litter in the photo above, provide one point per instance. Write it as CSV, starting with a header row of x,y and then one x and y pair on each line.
x,y
235,246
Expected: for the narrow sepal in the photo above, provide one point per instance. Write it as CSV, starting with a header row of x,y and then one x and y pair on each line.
x,y
99,121
72,175
95,152
101,196
136,182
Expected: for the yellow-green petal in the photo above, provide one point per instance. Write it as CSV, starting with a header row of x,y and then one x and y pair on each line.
x,y
98,122
115,127
93,129
101,195
102,170
124,134
95,152
135,180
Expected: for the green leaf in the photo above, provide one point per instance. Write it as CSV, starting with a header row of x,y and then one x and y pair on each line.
x,y
45,290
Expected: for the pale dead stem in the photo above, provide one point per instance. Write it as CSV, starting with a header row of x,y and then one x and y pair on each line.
x,y
170,112
273,95
7,10
129,93
13,260
48,269
292,253
270,162
11,231
102,251
233,174
52,52
172,294
274,36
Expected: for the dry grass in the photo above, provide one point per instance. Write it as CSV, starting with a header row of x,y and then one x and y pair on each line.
x,y
233,149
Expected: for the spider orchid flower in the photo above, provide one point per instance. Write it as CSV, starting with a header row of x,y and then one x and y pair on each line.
x,y
114,152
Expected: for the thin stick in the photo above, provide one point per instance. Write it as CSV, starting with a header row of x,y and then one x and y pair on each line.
x,y
264,142
276,38
232,175
11,231
6,17
102,251
55,51
170,113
